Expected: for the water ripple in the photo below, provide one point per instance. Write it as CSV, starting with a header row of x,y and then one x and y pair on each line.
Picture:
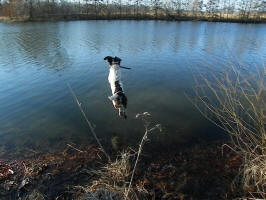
x,y
37,60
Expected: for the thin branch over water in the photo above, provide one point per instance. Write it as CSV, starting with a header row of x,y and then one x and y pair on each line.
x,y
88,122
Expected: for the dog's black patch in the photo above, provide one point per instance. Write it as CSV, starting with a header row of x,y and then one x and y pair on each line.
x,y
118,87
121,99
109,59
112,60
117,60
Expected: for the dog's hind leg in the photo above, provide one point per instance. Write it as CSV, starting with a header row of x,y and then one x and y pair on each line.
x,y
122,113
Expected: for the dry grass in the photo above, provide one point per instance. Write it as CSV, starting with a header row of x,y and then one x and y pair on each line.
x,y
235,100
115,179
112,180
254,175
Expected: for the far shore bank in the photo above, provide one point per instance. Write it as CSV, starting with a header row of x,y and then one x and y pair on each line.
x,y
118,17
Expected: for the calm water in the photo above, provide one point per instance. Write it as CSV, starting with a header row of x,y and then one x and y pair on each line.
x,y
37,60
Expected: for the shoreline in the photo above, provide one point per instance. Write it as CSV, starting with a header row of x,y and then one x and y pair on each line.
x,y
133,18
204,171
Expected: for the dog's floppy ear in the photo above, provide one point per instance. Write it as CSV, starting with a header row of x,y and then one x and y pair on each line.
x,y
116,59
109,59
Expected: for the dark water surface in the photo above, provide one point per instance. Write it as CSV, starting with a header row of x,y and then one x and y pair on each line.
x,y
37,60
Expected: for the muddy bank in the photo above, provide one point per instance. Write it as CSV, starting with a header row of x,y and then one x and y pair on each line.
x,y
200,172
47,176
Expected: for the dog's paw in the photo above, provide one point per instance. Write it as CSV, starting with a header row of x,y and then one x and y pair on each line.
x,y
113,97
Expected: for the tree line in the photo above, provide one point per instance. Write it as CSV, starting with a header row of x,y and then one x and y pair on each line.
x,y
135,9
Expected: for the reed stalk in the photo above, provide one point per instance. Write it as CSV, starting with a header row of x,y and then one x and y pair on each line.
x,y
235,100
148,130
88,122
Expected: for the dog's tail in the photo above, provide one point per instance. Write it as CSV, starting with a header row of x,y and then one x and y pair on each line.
x,y
122,113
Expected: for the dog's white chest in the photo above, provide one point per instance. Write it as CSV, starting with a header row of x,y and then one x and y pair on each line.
x,y
114,75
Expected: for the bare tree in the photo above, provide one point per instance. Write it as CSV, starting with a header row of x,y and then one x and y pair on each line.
x,y
96,4
228,8
177,4
30,9
0,7
172,9
197,6
156,4
186,6
137,4
120,8
107,8
244,8
212,8
259,7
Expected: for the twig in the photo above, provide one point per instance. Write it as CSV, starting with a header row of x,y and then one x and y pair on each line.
x,y
75,148
144,138
88,122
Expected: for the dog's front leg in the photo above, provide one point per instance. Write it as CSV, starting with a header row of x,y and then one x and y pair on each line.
x,y
113,97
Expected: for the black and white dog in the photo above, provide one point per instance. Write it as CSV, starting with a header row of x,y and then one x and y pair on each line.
x,y
118,98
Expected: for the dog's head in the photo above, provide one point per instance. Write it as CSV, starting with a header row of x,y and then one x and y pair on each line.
x,y
113,60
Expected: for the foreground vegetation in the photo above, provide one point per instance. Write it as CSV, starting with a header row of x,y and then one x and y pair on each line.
x,y
198,172
235,100
211,10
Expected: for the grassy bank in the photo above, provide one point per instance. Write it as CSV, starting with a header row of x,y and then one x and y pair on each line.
x,y
200,172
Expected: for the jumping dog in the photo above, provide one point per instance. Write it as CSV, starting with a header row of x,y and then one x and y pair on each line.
x,y
118,97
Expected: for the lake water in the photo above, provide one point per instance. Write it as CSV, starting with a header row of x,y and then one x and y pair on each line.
x,y
38,60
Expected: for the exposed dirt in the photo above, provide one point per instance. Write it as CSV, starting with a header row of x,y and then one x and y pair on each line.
x,y
200,172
